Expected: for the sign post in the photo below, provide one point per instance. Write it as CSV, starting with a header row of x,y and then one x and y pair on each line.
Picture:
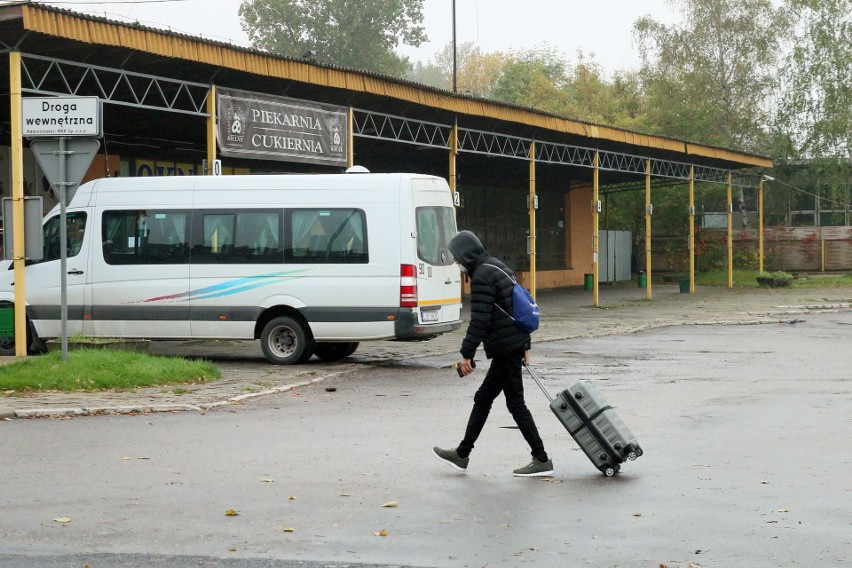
x,y
64,153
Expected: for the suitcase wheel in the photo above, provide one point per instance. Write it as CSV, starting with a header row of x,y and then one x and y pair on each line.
x,y
635,452
609,470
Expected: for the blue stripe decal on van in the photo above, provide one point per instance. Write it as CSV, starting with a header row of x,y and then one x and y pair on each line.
x,y
230,287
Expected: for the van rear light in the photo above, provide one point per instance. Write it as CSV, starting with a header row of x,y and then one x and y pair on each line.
x,y
407,286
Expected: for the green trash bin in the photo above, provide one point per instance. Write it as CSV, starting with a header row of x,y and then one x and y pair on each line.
x,y
7,321
588,282
684,285
642,281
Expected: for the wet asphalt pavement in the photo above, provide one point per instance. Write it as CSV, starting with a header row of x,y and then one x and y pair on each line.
x,y
566,314
745,430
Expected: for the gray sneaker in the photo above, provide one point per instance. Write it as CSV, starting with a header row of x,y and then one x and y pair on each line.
x,y
451,457
535,469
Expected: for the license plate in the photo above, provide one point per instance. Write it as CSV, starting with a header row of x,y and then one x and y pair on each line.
x,y
431,315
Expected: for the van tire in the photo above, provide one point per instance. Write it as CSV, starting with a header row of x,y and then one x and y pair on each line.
x,y
286,341
335,351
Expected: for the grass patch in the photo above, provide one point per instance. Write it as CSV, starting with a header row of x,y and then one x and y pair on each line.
x,y
101,369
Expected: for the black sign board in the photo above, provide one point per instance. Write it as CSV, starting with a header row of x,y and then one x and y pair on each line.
x,y
266,127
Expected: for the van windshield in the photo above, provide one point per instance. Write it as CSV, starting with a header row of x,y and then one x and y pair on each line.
x,y
435,227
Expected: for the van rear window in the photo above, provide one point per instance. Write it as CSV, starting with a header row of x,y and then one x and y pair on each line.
x,y
326,236
435,227
236,237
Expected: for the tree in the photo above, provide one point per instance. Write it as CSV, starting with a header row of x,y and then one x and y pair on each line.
x,y
476,73
359,34
710,79
533,78
815,112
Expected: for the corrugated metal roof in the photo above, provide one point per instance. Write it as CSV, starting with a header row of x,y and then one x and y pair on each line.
x,y
96,30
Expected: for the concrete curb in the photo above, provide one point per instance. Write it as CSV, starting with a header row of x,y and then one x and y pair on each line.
x,y
66,412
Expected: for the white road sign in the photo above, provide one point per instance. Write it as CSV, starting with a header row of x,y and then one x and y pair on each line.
x,y
61,116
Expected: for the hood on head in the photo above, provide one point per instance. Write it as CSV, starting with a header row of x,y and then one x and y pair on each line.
x,y
466,247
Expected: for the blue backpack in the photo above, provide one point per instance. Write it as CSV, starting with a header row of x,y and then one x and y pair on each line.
x,y
525,312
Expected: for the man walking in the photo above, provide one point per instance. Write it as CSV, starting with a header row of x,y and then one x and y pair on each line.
x,y
505,344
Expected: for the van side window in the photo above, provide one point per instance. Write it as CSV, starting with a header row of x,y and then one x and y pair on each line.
x,y
75,229
435,227
237,237
145,237
326,236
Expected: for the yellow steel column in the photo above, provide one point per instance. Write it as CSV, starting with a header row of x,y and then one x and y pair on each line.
x,y
691,229
532,220
18,235
350,138
211,129
760,226
730,235
648,293
454,152
595,235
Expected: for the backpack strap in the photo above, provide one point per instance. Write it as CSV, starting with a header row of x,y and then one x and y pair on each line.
x,y
514,282
512,278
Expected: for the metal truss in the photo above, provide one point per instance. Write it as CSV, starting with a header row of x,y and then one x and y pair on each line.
x,y
400,129
493,144
49,76
551,153
671,170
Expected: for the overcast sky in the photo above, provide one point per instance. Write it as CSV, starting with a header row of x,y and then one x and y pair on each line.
x,y
602,27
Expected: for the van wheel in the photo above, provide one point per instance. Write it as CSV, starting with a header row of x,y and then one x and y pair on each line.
x,y
335,351
285,341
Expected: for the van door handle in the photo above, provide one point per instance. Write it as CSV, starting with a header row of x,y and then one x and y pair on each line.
x,y
75,271
448,281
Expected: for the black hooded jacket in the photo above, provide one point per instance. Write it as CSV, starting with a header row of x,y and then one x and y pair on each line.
x,y
489,288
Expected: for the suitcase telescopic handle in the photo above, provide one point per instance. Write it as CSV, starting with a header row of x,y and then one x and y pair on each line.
x,y
538,382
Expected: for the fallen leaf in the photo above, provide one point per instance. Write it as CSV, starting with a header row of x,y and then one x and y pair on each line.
x,y
346,495
287,529
783,510
637,514
764,483
143,458
231,513
267,480
62,519
125,458
390,504
292,497
383,532
233,549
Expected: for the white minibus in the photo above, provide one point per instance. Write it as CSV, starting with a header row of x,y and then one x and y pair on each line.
x,y
307,264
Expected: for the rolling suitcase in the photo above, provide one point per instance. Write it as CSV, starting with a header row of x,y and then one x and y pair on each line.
x,y
594,425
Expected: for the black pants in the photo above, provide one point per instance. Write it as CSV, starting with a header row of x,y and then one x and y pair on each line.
x,y
504,376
